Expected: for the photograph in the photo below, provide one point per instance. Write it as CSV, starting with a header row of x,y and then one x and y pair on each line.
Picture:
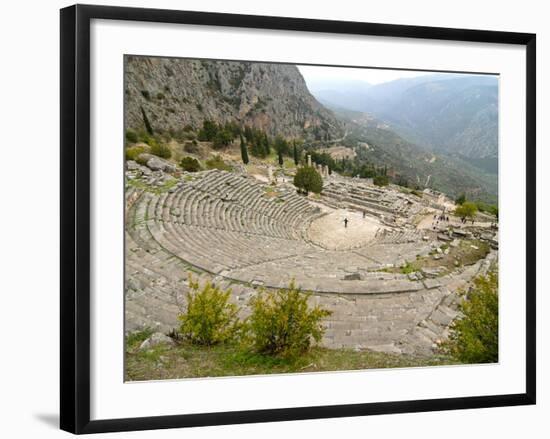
x,y
296,218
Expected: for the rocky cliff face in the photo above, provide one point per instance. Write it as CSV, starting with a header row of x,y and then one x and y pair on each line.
x,y
177,92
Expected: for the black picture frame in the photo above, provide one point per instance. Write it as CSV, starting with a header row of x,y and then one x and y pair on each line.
x,y
75,217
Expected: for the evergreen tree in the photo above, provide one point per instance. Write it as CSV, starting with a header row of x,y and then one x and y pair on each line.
x,y
244,151
266,145
248,134
148,126
296,161
461,199
280,155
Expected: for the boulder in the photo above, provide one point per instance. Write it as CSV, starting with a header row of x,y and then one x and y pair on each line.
x,y
156,163
353,276
131,165
156,339
431,272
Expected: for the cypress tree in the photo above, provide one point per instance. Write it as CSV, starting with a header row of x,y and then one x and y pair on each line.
x,y
148,126
244,151
266,145
295,154
280,154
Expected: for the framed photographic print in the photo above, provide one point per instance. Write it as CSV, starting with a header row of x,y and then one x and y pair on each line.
x,y
273,218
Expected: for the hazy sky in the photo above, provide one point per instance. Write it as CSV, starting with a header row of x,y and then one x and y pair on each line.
x,y
373,76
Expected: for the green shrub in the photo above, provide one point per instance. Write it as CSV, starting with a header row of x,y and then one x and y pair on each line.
x,y
134,151
217,162
283,324
160,150
474,337
381,180
131,136
466,209
190,164
307,179
209,318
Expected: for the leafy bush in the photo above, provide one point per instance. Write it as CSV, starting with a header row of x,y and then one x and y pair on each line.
x,y
190,164
308,179
210,318
160,150
133,152
217,162
381,180
466,209
131,136
282,323
474,338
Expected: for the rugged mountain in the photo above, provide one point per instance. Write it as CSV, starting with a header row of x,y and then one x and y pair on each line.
x,y
379,144
455,114
174,92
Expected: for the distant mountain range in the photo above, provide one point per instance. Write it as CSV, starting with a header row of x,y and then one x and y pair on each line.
x,y
451,174
449,113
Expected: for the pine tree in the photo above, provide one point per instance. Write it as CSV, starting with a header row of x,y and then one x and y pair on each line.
x,y
244,151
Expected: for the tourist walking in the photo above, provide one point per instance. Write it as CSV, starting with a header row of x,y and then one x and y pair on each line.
x,y
345,223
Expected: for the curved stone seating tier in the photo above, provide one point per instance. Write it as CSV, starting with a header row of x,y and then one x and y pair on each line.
x,y
372,200
223,228
225,224
399,237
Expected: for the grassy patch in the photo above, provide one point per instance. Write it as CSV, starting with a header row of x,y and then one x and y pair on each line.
x,y
186,361
134,339
270,192
140,184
